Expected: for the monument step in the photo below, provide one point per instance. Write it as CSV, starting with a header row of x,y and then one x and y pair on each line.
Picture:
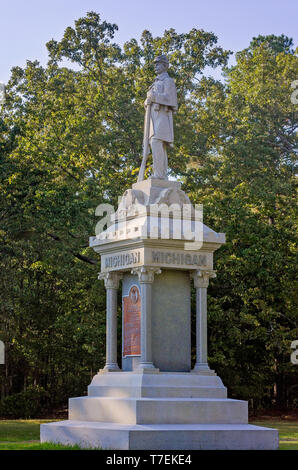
x,y
160,437
158,410
158,392
162,379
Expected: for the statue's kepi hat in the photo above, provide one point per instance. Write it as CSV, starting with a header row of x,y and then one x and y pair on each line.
x,y
161,58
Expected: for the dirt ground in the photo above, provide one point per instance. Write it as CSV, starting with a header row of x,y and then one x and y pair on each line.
x,y
286,415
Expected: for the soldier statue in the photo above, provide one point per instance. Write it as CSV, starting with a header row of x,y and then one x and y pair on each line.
x,y
160,104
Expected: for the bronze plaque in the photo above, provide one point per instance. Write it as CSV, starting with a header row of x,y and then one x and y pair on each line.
x,y
132,323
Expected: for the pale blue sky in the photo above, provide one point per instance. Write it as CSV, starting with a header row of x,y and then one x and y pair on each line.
x,y
26,25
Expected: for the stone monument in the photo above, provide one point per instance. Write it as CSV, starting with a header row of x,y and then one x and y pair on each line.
x,y
156,247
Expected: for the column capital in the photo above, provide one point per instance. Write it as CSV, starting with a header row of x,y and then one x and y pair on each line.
x,y
201,277
111,279
146,273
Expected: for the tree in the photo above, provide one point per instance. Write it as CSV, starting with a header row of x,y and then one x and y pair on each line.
x,y
247,184
71,139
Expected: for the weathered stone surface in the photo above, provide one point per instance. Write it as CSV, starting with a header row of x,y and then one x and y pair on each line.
x,y
171,322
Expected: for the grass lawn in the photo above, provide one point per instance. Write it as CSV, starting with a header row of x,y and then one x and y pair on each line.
x,y
24,434
288,432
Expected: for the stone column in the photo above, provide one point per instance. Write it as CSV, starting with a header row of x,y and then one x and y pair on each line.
x,y
111,280
201,281
146,278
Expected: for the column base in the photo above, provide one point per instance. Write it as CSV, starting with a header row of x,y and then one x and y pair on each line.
x,y
203,369
146,368
110,368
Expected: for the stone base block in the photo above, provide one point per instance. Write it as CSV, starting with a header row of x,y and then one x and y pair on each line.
x,y
160,437
158,410
165,384
156,392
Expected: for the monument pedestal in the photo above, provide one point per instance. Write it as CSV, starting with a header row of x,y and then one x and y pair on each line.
x,y
163,411
162,436
157,401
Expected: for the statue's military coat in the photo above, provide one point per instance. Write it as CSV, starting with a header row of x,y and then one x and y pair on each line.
x,y
164,101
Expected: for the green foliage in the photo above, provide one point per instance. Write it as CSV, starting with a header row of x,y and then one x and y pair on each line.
x,y
245,178
26,404
71,139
